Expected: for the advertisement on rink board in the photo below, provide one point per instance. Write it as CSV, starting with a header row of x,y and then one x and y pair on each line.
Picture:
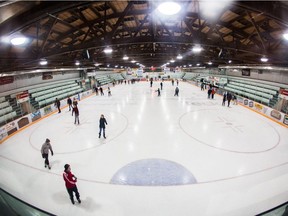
x,y
268,111
3,133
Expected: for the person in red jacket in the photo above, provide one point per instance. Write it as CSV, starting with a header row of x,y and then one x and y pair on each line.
x,y
70,182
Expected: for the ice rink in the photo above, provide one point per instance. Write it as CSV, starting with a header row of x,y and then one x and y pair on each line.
x,y
163,156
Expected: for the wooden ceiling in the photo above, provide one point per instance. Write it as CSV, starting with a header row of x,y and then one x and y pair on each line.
x,y
63,32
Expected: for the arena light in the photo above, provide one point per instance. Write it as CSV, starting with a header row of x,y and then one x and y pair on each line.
x,y
108,50
179,56
285,36
43,62
197,49
18,41
264,59
169,8
125,57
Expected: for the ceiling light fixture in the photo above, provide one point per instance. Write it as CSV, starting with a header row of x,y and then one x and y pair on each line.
x,y
108,50
197,49
133,61
285,36
17,41
125,57
43,62
169,8
179,56
264,59
172,60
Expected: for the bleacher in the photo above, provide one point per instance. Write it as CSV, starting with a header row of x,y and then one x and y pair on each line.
x,y
260,92
116,77
46,95
103,80
189,76
6,111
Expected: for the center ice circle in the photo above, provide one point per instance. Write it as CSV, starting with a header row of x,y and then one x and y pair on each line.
x,y
230,131
153,172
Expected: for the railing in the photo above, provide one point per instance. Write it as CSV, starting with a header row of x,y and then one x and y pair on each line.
x,y
12,206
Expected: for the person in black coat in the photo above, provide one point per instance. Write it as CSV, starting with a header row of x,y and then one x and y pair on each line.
x,y
57,104
69,102
229,98
102,123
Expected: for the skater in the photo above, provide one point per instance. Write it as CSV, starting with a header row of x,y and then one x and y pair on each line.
x,y
102,123
229,97
161,85
177,82
57,104
172,82
151,82
234,99
213,93
70,183
159,93
101,91
96,91
45,152
109,92
202,86
176,91
75,102
209,92
76,111
224,99
69,102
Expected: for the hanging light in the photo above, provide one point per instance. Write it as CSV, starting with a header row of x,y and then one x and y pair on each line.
x,y
179,56
264,59
197,49
43,62
17,41
169,8
108,50
285,35
125,57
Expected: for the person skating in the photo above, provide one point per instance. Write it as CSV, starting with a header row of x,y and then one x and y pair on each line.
x,y
76,111
70,183
75,102
176,91
57,104
101,91
224,98
161,85
229,98
45,152
109,92
69,102
159,92
102,123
